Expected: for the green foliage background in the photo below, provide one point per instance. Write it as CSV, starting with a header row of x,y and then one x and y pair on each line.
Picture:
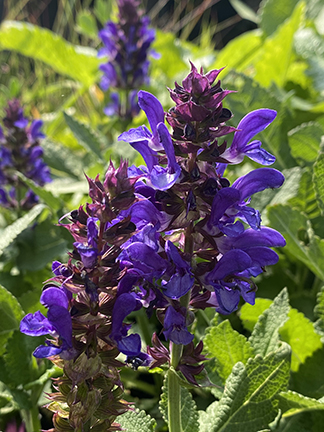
x,y
266,362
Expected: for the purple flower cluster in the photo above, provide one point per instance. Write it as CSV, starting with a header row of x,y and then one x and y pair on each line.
x,y
172,236
20,151
127,46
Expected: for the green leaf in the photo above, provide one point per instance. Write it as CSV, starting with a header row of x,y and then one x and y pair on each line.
x,y
292,403
245,11
38,43
189,413
9,234
227,346
275,12
299,333
135,421
85,136
20,366
46,196
102,10
319,313
62,159
318,179
86,24
249,314
40,246
237,53
309,379
305,199
275,56
305,422
11,314
265,335
304,141
170,62
301,241
250,399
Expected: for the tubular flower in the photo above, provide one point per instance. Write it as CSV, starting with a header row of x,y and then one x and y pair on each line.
x,y
20,151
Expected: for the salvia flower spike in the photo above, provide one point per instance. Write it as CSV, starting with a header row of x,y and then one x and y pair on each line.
x,y
172,237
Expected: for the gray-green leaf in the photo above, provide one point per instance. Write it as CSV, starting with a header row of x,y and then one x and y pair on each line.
x,y
251,395
12,231
85,136
265,335
135,421
227,346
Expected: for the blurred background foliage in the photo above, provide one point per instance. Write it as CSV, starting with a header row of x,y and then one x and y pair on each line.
x,y
273,57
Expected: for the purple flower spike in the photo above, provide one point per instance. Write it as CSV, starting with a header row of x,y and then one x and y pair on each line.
x,y
249,126
175,328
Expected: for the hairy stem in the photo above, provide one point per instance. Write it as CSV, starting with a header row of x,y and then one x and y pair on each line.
x,y
174,400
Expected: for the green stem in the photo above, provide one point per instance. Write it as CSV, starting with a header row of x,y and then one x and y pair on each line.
x,y
144,324
174,400
31,419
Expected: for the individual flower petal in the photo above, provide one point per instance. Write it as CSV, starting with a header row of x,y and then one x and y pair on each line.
x,y
257,181
152,108
36,325
253,123
175,328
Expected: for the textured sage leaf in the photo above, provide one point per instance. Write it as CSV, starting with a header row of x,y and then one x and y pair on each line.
x,y
38,43
85,136
9,234
46,196
300,238
249,314
265,335
304,142
318,179
189,413
136,421
275,57
300,334
20,367
319,313
59,157
11,314
227,346
305,199
292,403
251,393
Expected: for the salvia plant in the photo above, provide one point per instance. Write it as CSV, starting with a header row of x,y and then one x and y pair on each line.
x,y
174,237
20,152
127,44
